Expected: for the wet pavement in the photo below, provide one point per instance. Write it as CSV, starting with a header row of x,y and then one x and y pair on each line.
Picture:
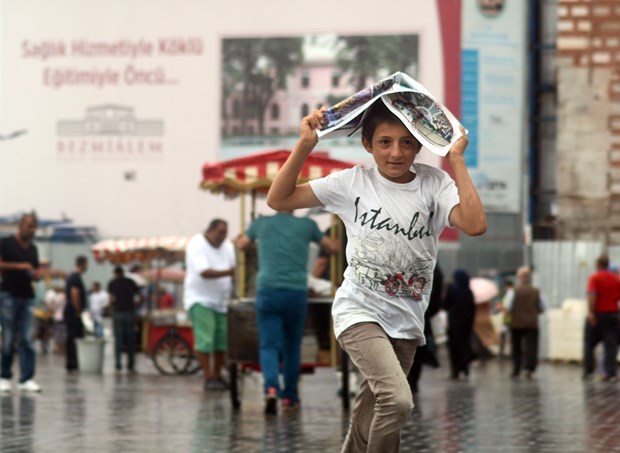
x,y
554,412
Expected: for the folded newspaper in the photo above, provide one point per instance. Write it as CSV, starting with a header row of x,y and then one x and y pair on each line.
x,y
429,121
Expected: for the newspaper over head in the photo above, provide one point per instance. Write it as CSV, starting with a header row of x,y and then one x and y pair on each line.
x,y
429,121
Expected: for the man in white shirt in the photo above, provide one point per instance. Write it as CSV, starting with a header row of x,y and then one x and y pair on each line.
x,y
210,267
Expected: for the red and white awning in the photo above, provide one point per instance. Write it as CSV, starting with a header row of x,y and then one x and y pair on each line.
x,y
120,251
256,172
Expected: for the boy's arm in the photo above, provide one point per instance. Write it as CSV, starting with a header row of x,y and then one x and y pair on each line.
x,y
468,216
285,194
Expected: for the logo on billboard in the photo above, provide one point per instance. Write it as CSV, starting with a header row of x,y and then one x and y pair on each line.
x,y
110,130
491,8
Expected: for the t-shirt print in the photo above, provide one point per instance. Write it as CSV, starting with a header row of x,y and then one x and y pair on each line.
x,y
379,264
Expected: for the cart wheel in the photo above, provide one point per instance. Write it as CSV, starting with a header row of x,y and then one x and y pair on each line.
x,y
234,385
172,355
193,366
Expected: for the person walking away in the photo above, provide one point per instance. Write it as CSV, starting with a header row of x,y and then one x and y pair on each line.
x,y
210,266
427,354
124,298
282,298
19,263
393,214
524,307
97,301
460,307
75,295
602,323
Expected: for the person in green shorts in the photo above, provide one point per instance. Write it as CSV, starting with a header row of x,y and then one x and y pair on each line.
x,y
210,266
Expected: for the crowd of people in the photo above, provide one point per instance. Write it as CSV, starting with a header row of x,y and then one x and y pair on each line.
x,y
59,314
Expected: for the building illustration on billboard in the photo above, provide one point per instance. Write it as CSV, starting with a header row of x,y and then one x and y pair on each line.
x,y
111,120
110,130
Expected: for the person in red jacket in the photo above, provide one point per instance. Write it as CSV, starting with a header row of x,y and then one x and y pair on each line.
x,y
602,323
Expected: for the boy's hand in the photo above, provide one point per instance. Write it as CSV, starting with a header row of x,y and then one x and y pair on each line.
x,y
309,125
458,148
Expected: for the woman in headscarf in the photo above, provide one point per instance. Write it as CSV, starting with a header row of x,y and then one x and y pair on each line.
x,y
459,304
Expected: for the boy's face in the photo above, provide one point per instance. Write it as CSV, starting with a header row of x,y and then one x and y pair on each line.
x,y
394,150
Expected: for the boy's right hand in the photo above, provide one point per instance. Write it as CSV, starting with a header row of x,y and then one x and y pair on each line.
x,y
309,125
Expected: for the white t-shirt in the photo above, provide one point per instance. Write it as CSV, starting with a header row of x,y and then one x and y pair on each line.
x,y
199,257
96,302
55,301
392,232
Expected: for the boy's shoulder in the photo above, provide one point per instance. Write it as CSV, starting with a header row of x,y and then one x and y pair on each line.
x,y
428,170
431,175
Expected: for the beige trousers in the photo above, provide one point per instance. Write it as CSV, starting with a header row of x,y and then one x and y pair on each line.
x,y
383,405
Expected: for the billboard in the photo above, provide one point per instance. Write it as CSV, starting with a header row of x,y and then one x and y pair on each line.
x,y
493,102
121,106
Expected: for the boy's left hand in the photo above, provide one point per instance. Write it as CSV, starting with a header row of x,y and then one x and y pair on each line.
x,y
459,146
309,125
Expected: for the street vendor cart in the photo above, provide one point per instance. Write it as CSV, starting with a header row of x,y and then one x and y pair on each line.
x,y
253,175
166,333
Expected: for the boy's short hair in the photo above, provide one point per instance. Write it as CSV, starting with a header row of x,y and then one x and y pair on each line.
x,y
379,114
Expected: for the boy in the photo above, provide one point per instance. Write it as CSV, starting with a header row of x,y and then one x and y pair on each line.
x,y
393,215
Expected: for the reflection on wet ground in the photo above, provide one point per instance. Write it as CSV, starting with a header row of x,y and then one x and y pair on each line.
x,y
555,412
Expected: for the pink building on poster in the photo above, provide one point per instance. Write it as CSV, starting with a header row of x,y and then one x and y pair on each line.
x,y
317,81
313,84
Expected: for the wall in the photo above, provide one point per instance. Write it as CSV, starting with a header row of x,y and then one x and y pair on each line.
x,y
588,133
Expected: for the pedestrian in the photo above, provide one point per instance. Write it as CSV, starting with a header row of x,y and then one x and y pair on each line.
x,y
210,266
393,214
282,298
97,301
124,298
501,307
602,323
75,296
427,354
461,309
524,307
19,263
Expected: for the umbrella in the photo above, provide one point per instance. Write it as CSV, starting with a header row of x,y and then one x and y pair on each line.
x,y
484,289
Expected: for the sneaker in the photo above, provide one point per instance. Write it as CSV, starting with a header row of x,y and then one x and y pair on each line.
x,y
5,385
271,401
290,405
29,386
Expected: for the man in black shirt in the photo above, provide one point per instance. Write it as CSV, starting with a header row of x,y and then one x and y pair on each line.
x,y
19,263
75,294
124,296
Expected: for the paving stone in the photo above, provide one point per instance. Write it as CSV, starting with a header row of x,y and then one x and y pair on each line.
x,y
554,412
